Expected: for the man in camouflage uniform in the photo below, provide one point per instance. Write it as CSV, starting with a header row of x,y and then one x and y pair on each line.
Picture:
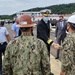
x,y
68,52
26,55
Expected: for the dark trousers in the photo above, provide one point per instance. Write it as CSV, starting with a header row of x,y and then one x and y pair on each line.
x,y
59,41
19,32
48,48
0,63
2,51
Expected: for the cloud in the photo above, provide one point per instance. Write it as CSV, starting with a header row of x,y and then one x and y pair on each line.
x,y
13,6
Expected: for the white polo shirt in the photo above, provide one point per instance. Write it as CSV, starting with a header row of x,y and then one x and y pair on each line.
x,y
3,32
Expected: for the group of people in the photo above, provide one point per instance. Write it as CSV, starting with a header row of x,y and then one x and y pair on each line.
x,y
29,55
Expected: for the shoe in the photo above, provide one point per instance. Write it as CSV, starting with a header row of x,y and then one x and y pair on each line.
x,y
51,73
56,57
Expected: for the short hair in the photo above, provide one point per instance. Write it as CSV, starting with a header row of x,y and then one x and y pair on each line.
x,y
2,23
61,16
72,25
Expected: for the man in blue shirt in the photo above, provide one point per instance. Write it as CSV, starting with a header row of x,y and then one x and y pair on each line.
x,y
15,29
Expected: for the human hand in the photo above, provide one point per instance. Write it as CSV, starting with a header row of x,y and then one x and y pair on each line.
x,y
62,73
55,38
14,35
56,46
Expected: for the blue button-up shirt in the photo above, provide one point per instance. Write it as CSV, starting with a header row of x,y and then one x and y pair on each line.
x,y
15,28
3,33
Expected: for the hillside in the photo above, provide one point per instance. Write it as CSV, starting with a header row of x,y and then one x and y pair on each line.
x,y
57,9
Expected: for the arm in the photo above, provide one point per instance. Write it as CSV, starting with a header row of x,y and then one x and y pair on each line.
x,y
6,62
62,73
8,37
41,33
13,30
14,34
45,61
66,58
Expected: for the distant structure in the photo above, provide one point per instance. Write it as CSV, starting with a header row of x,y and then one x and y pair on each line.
x,y
31,13
36,15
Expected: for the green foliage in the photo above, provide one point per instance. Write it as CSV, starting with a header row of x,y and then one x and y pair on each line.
x,y
7,16
57,9
63,8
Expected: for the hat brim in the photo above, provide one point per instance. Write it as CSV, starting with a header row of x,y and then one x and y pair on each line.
x,y
26,25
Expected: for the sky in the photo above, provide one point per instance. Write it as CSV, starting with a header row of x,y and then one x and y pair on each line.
x,y
9,7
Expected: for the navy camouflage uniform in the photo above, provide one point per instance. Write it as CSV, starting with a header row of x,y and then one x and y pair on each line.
x,y
26,55
68,55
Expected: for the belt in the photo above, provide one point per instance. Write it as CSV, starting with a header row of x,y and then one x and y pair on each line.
x,y
1,43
